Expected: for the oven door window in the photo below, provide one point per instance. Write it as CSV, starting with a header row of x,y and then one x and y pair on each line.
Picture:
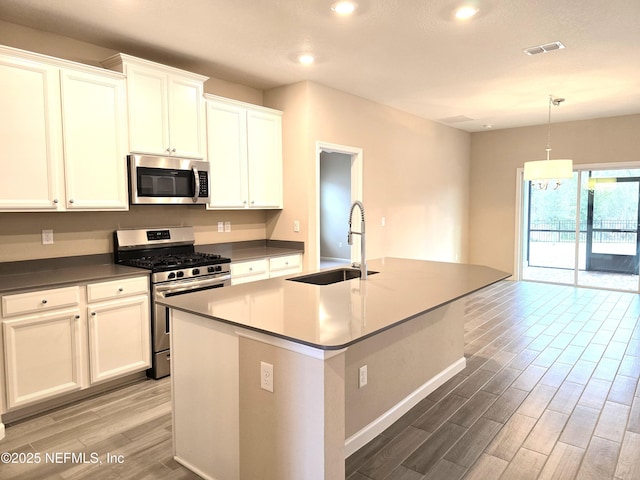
x,y
165,182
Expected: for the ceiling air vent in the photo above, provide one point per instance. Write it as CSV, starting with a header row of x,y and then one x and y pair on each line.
x,y
456,119
548,47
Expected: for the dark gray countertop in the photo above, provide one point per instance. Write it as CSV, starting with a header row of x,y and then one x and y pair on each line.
x,y
334,316
54,272
253,249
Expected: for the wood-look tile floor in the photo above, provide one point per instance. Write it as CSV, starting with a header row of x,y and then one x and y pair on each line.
x,y
550,391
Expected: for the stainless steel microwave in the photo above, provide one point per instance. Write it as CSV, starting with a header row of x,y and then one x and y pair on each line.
x,y
168,180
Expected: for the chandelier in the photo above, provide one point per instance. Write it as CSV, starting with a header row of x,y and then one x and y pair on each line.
x,y
548,174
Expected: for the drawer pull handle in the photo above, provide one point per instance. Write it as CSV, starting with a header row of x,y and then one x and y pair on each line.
x,y
44,300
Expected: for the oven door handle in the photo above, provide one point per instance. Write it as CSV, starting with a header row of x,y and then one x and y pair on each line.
x,y
187,286
196,184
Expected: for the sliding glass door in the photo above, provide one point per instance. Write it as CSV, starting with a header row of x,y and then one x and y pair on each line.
x,y
585,233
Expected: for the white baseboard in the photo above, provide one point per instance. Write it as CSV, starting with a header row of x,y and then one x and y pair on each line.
x,y
384,421
192,468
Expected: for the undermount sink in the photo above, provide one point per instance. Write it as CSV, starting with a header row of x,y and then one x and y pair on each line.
x,y
329,277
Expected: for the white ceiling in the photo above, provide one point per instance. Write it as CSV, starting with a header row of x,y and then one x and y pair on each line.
x,y
409,54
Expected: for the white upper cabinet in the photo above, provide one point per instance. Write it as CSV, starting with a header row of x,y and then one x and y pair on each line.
x,y
166,108
64,128
264,156
95,141
32,135
244,148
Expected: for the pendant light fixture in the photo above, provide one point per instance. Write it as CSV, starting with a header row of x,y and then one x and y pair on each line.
x,y
548,174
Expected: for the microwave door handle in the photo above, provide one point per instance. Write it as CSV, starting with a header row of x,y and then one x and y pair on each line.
x,y
196,184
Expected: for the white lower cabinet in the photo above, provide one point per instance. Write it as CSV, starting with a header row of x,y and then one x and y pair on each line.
x,y
263,268
287,265
249,271
61,340
43,356
119,338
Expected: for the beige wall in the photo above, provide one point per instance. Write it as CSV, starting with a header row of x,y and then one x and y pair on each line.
x,y
415,172
495,156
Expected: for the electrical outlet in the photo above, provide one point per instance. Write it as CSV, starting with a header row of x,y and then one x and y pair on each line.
x,y
362,376
266,376
296,225
47,237
220,227
227,226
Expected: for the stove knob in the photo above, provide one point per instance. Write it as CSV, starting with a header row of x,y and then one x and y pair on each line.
x,y
211,269
196,271
180,274
171,275
218,268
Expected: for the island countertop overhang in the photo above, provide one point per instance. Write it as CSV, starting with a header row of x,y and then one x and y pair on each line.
x,y
332,317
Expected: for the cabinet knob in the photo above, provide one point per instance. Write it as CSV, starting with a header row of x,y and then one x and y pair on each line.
x,y
173,150
121,289
44,300
244,202
71,200
77,317
55,200
168,150
93,314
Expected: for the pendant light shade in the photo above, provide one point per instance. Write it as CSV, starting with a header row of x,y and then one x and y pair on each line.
x,y
544,174
548,169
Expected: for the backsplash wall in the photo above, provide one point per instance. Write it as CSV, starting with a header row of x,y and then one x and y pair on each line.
x,y
87,233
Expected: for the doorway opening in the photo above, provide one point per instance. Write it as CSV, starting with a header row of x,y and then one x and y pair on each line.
x,y
339,173
586,233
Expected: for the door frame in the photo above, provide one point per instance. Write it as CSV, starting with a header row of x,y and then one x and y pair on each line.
x,y
521,202
356,155
612,258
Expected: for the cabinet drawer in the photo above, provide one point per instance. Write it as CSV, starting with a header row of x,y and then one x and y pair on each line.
x,y
254,267
41,300
288,262
117,288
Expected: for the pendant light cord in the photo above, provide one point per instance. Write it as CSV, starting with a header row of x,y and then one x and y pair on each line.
x,y
549,128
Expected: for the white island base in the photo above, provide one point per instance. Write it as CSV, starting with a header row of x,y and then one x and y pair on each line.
x,y
226,427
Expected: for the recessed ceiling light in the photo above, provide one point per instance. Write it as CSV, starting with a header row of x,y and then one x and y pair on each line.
x,y
344,7
466,11
306,59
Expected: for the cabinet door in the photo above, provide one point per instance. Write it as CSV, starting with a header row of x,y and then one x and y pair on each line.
x,y
281,266
227,154
42,356
119,338
250,271
186,117
147,98
31,133
95,142
264,133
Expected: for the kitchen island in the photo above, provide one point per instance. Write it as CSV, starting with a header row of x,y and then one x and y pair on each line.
x,y
279,379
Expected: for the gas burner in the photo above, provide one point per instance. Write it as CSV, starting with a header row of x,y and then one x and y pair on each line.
x,y
158,263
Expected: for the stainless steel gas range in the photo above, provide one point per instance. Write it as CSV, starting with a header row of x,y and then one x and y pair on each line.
x,y
176,268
